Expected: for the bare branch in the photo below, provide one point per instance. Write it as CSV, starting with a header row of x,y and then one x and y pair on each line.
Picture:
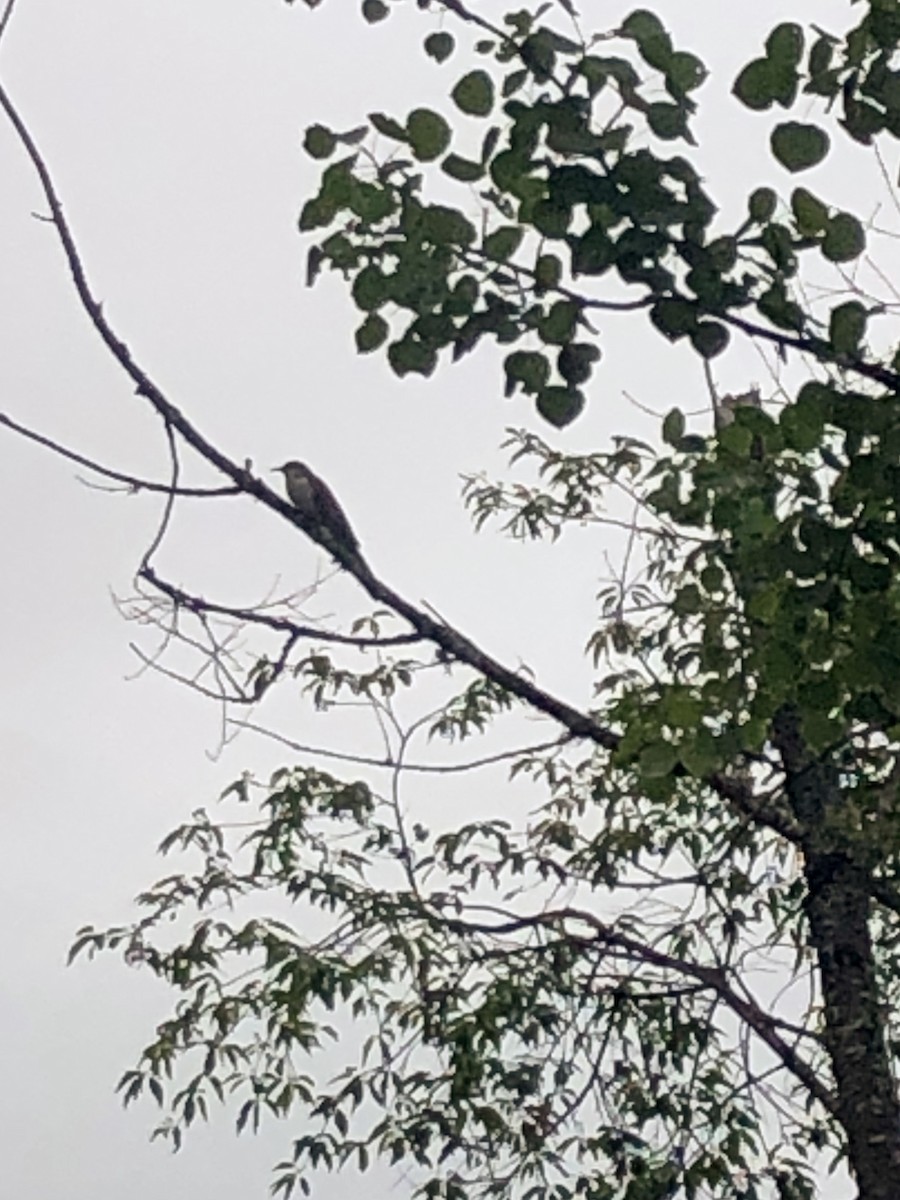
x,y
7,13
252,616
390,763
132,482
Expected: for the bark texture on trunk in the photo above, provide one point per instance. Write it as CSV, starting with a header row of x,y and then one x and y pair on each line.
x,y
838,906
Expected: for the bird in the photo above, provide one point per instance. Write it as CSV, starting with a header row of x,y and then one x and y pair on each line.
x,y
315,501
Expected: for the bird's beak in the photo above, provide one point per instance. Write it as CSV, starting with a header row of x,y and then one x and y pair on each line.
x,y
277,468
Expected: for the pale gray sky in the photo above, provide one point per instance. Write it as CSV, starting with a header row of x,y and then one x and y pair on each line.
x,y
173,130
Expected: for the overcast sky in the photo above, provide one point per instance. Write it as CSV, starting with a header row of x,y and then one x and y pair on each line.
x,y
173,130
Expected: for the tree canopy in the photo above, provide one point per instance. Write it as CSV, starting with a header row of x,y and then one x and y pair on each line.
x,y
577,999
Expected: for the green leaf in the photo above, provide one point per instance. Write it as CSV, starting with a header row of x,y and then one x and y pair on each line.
x,y
319,141
867,576
684,73
510,172
353,136
547,272
709,338
802,427
374,10
753,86
513,82
862,120
538,54
489,142
762,204
474,94
764,604
463,298
820,55
411,357
370,288
845,238
724,252
847,327
776,305
669,121
821,730
439,46
673,427
340,251
699,754
778,242
314,260
763,83
651,37
784,44
712,577
757,519
434,329
595,72
462,169
575,361
447,226
429,134
560,406
679,707
550,219
372,202
388,126
798,146
657,761
593,253
319,211
736,439
527,369
338,182
503,242
558,326
642,25
810,214
674,318
371,334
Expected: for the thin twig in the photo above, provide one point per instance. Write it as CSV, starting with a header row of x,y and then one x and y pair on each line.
x,y
389,762
132,482
7,13
253,616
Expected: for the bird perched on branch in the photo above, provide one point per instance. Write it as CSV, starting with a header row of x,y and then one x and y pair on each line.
x,y
314,499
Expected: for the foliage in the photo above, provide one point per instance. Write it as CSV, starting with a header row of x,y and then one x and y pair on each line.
x,y
568,183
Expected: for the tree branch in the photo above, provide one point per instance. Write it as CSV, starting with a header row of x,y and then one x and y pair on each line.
x,y
763,1025
7,13
131,481
197,604
888,379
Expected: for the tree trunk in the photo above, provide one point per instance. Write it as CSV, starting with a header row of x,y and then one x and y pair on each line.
x,y
838,906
